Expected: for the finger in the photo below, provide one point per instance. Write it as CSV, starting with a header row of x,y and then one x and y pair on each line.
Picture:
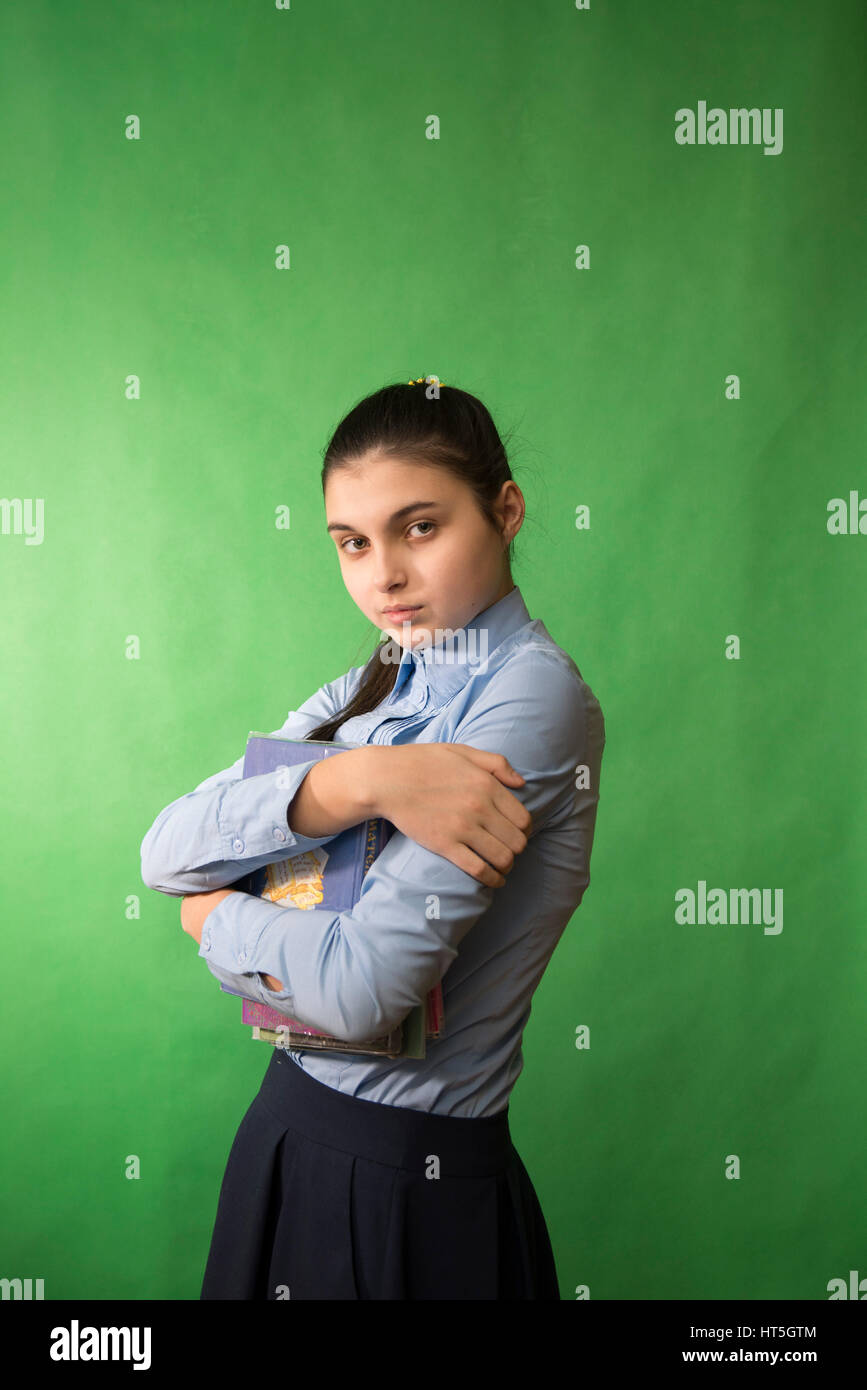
x,y
478,868
514,812
492,845
506,834
495,763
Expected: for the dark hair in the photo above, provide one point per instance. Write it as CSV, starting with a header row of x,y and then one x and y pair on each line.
x,y
452,430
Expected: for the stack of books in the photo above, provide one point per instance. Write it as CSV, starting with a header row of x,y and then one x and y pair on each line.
x,y
328,877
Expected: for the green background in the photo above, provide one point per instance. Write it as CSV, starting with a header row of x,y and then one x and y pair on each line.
x,y
156,257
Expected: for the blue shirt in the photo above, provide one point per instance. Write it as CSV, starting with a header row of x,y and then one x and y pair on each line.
x,y
501,684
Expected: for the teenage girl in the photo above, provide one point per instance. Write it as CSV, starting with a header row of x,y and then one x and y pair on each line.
x,y
354,1176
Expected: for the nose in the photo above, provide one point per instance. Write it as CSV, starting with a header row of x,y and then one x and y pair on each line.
x,y
389,572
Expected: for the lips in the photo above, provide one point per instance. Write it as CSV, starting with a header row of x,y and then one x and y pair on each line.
x,y
406,608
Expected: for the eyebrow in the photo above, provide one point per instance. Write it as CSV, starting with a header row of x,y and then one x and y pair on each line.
x,y
395,516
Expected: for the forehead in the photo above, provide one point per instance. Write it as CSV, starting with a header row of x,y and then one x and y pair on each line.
x,y
377,488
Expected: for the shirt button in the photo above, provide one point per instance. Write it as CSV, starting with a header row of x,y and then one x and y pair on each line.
x,y
242,957
237,845
278,833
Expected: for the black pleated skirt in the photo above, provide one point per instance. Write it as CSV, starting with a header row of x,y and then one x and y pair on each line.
x,y
329,1196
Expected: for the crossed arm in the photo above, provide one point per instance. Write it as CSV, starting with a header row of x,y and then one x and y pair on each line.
x,y
356,972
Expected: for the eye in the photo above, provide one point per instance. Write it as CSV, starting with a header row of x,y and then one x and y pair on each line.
x,y
344,545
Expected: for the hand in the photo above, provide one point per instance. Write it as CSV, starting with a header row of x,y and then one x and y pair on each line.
x,y
451,799
195,908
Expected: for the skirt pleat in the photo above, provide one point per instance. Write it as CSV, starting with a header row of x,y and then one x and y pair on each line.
x,y
326,1196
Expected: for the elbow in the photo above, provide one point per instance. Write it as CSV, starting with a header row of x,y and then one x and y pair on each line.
x,y
349,1021
364,1020
349,992
154,874
149,866
148,877
380,1000
374,1018
148,870
161,870
361,1026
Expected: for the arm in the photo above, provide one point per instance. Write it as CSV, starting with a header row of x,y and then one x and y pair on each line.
x,y
335,795
356,974
230,825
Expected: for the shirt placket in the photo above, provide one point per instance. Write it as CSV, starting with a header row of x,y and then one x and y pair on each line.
x,y
406,712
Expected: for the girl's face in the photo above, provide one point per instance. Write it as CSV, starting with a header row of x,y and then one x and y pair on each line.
x,y
411,534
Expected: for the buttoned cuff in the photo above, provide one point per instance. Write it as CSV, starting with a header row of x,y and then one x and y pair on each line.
x,y
252,815
235,939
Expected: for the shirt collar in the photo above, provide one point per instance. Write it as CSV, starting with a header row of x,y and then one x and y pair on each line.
x,y
446,665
